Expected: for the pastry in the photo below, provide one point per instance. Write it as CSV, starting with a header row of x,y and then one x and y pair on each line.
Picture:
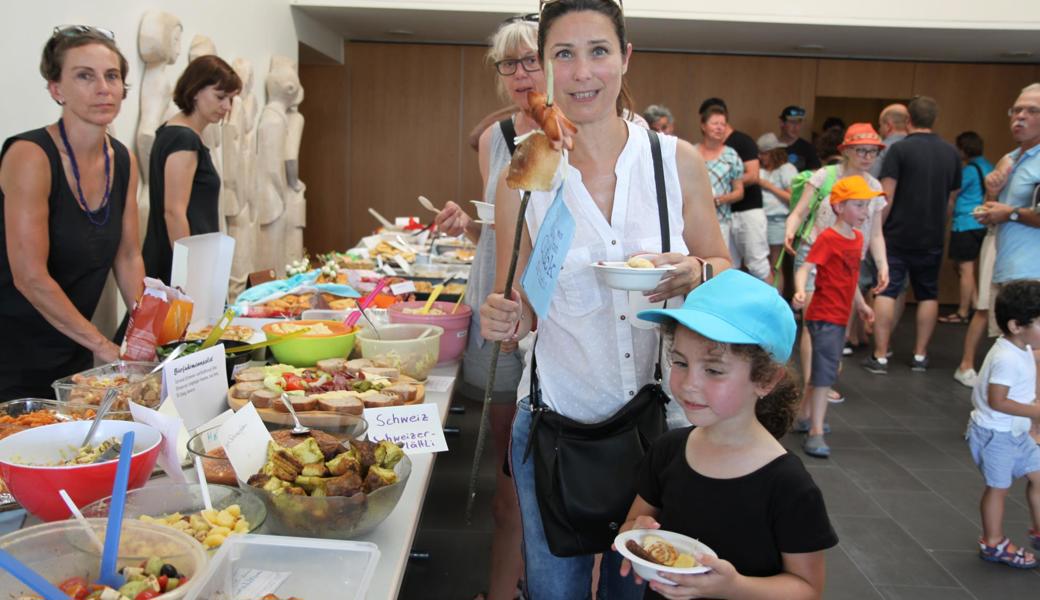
x,y
638,262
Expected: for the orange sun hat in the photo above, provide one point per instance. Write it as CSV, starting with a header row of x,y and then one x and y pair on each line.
x,y
861,134
852,188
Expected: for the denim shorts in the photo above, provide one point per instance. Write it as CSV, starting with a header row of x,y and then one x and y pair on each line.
x,y
550,577
828,340
799,259
776,228
1002,457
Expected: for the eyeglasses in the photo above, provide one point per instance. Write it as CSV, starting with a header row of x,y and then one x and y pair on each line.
x,y
78,30
867,152
508,66
1032,111
529,17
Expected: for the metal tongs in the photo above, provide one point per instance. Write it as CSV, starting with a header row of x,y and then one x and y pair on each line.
x,y
106,404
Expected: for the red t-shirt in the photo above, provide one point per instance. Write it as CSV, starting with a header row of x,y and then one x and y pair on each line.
x,y
837,274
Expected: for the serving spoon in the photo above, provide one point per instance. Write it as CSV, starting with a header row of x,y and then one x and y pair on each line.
x,y
298,428
428,205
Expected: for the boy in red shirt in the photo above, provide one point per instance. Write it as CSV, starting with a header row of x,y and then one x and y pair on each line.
x,y
836,257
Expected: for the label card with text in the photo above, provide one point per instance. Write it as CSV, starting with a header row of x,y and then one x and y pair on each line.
x,y
211,439
550,249
416,429
439,383
197,383
244,437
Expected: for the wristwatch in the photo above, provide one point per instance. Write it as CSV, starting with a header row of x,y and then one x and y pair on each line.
x,y
1014,215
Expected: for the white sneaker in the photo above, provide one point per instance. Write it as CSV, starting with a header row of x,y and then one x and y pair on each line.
x,y
967,378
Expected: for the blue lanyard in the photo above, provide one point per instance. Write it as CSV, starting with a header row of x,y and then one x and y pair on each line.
x,y
105,206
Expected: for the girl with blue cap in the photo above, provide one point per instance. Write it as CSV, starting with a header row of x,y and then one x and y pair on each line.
x,y
727,481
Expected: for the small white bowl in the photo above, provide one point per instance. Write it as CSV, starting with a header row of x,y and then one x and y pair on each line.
x,y
620,276
485,211
648,570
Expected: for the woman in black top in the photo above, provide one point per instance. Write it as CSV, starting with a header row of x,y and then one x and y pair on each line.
x,y
68,193
184,185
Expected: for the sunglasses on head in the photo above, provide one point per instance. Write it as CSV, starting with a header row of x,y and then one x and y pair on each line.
x,y
78,30
543,3
529,17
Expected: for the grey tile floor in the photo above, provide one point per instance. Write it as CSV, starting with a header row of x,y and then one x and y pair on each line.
x,y
901,490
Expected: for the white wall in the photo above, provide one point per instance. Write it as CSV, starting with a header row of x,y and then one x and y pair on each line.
x,y
252,29
958,14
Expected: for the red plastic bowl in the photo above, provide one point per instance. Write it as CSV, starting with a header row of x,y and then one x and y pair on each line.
x,y
36,487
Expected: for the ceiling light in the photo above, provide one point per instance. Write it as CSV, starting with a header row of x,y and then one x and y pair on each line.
x,y
1016,54
809,47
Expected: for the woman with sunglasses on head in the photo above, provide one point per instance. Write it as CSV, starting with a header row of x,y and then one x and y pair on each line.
x,y
184,186
68,192
514,54
590,360
859,149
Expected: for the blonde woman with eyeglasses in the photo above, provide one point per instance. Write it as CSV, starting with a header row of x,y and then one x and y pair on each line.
x,y
514,56
68,192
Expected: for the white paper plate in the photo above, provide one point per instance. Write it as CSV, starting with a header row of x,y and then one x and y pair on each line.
x,y
648,570
620,276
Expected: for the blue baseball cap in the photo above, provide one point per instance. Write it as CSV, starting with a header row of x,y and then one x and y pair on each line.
x,y
735,308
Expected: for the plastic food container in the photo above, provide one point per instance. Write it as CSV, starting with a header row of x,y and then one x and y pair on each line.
x,y
62,550
316,568
331,517
307,349
36,487
456,326
63,411
132,379
400,347
184,498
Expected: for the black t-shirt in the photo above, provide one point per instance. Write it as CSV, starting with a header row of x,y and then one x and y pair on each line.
x,y
747,150
802,155
926,170
203,204
748,520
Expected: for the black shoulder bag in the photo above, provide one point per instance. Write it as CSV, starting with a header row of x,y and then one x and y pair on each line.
x,y
584,473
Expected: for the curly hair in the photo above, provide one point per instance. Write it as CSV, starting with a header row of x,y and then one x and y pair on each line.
x,y
776,410
1019,301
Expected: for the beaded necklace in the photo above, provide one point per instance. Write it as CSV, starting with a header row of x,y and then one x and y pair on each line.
x,y
105,206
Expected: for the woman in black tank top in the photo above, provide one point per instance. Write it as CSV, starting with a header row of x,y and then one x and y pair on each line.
x,y
68,194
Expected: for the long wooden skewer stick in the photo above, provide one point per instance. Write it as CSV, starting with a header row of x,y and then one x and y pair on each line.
x,y
484,422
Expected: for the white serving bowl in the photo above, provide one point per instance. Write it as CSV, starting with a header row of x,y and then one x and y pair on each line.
x,y
620,276
648,570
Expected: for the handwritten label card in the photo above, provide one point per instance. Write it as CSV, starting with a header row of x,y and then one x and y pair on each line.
x,y
198,385
254,583
245,438
170,428
405,287
211,439
439,383
550,249
416,429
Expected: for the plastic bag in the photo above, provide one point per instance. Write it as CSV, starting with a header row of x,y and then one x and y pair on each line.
x,y
160,316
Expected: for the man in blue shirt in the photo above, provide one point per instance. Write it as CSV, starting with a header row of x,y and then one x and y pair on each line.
x,y
1014,182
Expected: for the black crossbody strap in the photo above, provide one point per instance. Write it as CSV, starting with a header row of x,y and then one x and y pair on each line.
x,y
662,214
508,132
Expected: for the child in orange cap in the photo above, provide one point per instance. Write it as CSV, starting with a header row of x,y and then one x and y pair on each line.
x,y
836,255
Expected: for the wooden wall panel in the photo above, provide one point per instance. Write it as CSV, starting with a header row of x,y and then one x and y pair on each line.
x,y
666,79
403,128
323,155
984,109
865,79
479,98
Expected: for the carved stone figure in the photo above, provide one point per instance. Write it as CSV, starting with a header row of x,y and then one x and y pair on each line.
x,y
159,44
239,147
295,204
283,87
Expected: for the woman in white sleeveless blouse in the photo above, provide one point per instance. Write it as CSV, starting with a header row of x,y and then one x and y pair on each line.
x,y
591,361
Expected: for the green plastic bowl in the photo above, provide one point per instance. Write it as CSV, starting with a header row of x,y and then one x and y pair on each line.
x,y
307,349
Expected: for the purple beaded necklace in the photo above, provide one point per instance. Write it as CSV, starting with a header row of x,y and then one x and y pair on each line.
x,y
105,206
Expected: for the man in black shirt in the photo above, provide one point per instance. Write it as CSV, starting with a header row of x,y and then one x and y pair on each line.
x,y
921,176
800,153
748,242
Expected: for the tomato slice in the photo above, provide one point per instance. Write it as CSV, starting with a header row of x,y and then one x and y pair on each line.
x,y
145,595
292,382
75,587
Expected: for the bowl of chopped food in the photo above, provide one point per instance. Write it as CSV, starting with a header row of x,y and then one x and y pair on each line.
x,y
413,349
133,380
180,506
455,322
323,339
156,561
329,491
654,551
38,462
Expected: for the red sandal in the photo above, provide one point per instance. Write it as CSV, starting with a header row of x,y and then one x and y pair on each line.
x,y
1000,554
955,318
